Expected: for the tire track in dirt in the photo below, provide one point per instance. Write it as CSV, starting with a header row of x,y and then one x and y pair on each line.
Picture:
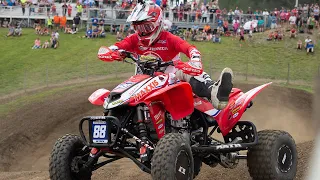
x,y
24,151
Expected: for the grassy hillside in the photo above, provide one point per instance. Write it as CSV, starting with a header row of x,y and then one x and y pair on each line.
x,y
24,68
261,4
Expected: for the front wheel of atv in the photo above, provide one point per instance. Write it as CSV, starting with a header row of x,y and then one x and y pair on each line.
x,y
66,159
274,157
172,159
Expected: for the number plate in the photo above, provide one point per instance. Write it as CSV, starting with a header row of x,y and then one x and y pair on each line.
x,y
99,132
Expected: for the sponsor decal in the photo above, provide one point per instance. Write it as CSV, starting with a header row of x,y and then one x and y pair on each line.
x,y
234,111
146,90
226,146
124,85
197,103
161,131
162,41
235,115
160,126
117,102
141,48
159,121
157,116
97,117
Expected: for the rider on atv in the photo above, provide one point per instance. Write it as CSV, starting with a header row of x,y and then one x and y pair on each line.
x,y
150,39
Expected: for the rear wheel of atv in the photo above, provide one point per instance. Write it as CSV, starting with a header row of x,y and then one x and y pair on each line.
x,y
66,158
274,157
172,159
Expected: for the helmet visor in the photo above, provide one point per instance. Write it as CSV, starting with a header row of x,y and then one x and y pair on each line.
x,y
144,28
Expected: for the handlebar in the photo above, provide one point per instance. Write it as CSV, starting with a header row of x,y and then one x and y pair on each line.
x,y
147,64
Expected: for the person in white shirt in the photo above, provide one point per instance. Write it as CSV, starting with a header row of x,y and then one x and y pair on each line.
x,y
265,13
56,35
292,20
307,41
237,11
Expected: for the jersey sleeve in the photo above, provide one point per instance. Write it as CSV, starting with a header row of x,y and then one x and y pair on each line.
x,y
128,43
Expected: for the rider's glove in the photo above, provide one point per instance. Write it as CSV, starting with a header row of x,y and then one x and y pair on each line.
x,y
194,66
106,54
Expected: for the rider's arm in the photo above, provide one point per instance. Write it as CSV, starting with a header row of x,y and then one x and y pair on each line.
x,y
194,65
111,53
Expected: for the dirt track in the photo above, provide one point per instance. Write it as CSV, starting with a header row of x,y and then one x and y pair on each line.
x,y
27,136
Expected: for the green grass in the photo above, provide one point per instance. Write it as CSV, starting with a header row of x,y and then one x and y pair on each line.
x,y
24,68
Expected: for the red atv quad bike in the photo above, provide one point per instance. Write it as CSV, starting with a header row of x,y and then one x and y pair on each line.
x,y
156,121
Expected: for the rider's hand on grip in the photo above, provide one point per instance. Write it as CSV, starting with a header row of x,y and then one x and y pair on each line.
x,y
106,54
193,68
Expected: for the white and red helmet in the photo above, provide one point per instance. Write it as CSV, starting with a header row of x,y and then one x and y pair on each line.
x,y
146,19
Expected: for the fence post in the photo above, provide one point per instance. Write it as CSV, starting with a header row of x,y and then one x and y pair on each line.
x,y
87,73
247,70
288,75
24,81
47,75
210,66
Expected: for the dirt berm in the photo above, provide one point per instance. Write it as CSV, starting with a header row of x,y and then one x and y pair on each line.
x,y
28,134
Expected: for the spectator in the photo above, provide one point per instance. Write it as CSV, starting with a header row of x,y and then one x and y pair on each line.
x,y
283,16
293,33
69,10
76,20
11,31
207,29
53,9
63,22
94,22
95,32
311,24
236,24
49,22
299,44
306,41
56,35
79,9
292,20
260,24
241,34
5,23
74,29
205,16
310,47
54,42
270,36
23,7
64,9
89,33
225,26
37,44
38,29
273,21
316,13
265,13
56,21
18,31
45,44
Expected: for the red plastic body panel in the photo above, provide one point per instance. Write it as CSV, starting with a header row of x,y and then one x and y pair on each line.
x,y
130,82
238,103
177,99
97,97
158,118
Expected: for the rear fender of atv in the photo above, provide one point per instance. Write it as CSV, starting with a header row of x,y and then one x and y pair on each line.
x,y
236,107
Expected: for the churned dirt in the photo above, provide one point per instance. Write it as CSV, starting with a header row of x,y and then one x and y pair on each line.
x,y
28,134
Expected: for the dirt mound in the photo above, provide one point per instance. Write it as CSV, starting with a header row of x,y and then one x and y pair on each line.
x,y
27,135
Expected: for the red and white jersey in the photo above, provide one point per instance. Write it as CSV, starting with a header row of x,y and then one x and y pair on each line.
x,y
167,47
